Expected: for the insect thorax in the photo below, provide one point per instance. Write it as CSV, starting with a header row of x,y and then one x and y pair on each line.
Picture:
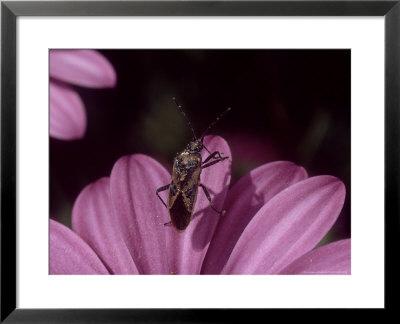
x,y
186,161
187,168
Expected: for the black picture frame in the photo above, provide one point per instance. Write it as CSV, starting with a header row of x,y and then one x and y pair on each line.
x,y
11,10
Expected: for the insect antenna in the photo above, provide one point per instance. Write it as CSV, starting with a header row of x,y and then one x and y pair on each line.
x,y
214,122
187,119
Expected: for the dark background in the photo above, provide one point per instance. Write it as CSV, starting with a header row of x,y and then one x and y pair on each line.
x,y
286,105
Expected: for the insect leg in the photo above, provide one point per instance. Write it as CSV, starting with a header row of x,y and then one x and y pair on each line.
x,y
209,198
163,188
212,155
213,162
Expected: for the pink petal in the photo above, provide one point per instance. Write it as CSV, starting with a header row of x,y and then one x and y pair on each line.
x,y
244,199
288,226
94,219
187,249
134,180
67,113
333,258
86,68
69,254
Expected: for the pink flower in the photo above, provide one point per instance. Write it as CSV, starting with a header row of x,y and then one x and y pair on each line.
x,y
86,68
275,217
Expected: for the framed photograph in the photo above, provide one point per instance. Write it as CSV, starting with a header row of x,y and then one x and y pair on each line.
x,y
179,160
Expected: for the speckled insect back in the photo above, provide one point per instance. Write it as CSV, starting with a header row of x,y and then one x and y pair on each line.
x,y
185,178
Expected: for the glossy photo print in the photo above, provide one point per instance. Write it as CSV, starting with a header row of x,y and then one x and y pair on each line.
x,y
182,162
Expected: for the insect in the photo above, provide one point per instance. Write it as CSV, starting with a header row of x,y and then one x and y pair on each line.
x,y
185,178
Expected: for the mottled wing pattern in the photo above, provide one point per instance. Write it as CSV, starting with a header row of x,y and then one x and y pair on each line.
x,y
183,190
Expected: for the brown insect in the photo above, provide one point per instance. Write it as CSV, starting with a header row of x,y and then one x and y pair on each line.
x,y
185,178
